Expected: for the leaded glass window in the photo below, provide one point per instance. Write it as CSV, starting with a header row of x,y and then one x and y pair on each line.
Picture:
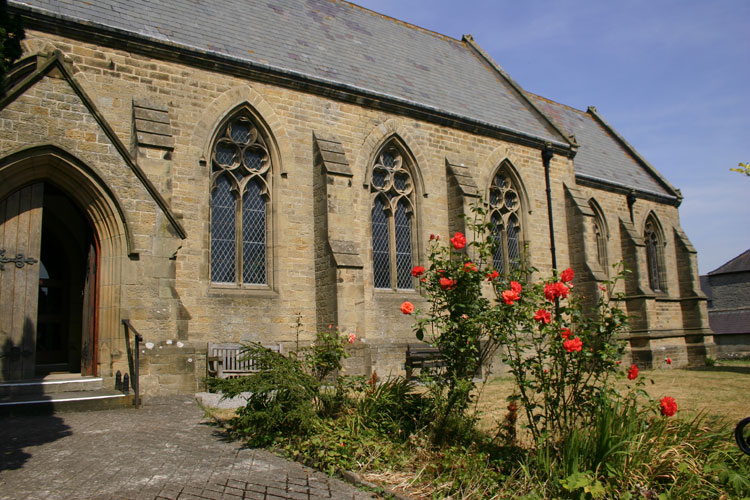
x,y
600,236
240,176
392,188
652,235
601,244
505,216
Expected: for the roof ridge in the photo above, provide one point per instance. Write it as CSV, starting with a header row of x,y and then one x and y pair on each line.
x,y
427,31
727,263
592,111
469,40
552,101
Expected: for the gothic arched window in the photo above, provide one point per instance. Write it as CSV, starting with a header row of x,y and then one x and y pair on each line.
x,y
392,190
600,236
240,196
505,216
654,255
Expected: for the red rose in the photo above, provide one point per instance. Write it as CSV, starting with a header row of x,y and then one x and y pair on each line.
x,y
567,275
573,345
447,283
417,271
549,291
432,236
668,406
633,372
458,241
565,332
561,290
555,290
407,307
510,296
491,276
668,360
470,267
543,316
515,286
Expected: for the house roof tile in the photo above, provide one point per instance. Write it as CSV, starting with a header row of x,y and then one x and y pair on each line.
x,y
739,264
328,40
600,154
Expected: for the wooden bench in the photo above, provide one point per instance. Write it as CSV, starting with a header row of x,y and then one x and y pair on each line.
x,y
426,356
229,360
422,356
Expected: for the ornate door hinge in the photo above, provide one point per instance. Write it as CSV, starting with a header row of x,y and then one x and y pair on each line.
x,y
19,260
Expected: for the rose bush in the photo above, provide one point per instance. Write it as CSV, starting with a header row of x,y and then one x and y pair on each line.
x,y
475,310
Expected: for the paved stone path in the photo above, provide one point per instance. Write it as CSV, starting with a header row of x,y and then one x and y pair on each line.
x,y
161,451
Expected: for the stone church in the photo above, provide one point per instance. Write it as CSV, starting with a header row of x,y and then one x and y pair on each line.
x,y
219,171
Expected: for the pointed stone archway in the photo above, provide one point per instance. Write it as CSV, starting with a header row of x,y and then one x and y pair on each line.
x,y
62,311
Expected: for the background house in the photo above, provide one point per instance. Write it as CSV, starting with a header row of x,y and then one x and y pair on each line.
x,y
728,292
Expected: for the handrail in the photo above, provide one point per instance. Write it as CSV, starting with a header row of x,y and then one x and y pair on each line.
x,y
136,358
739,435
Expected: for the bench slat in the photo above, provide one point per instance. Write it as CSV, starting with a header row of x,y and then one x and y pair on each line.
x,y
225,360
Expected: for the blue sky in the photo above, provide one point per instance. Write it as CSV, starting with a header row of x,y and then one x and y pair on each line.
x,y
673,77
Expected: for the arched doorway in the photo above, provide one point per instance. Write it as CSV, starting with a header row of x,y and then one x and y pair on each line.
x,y
24,176
48,296
67,288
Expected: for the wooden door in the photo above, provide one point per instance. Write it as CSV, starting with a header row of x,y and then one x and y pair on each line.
x,y
20,245
88,324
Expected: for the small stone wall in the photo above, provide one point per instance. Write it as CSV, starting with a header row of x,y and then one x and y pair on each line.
x,y
171,367
732,346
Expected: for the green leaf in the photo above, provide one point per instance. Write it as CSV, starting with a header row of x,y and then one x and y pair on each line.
x,y
596,490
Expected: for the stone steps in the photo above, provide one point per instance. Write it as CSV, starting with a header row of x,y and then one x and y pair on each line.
x,y
51,384
65,401
59,392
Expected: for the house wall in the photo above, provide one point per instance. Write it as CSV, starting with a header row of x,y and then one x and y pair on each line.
x,y
730,290
166,291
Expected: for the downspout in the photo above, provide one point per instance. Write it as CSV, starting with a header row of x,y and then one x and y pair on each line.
x,y
631,201
547,155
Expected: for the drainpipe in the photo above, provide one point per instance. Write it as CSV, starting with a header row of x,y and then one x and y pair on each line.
x,y
631,201
547,155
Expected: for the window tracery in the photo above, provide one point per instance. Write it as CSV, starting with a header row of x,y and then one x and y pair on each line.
x,y
240,194
654,257
505,216
392,189
600,236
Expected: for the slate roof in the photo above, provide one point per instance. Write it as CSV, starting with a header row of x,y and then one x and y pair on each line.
x,y
601,155
739,264
706,287
730,322
324,40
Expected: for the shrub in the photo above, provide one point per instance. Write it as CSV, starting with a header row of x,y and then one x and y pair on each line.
x,y
280,398
324,356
